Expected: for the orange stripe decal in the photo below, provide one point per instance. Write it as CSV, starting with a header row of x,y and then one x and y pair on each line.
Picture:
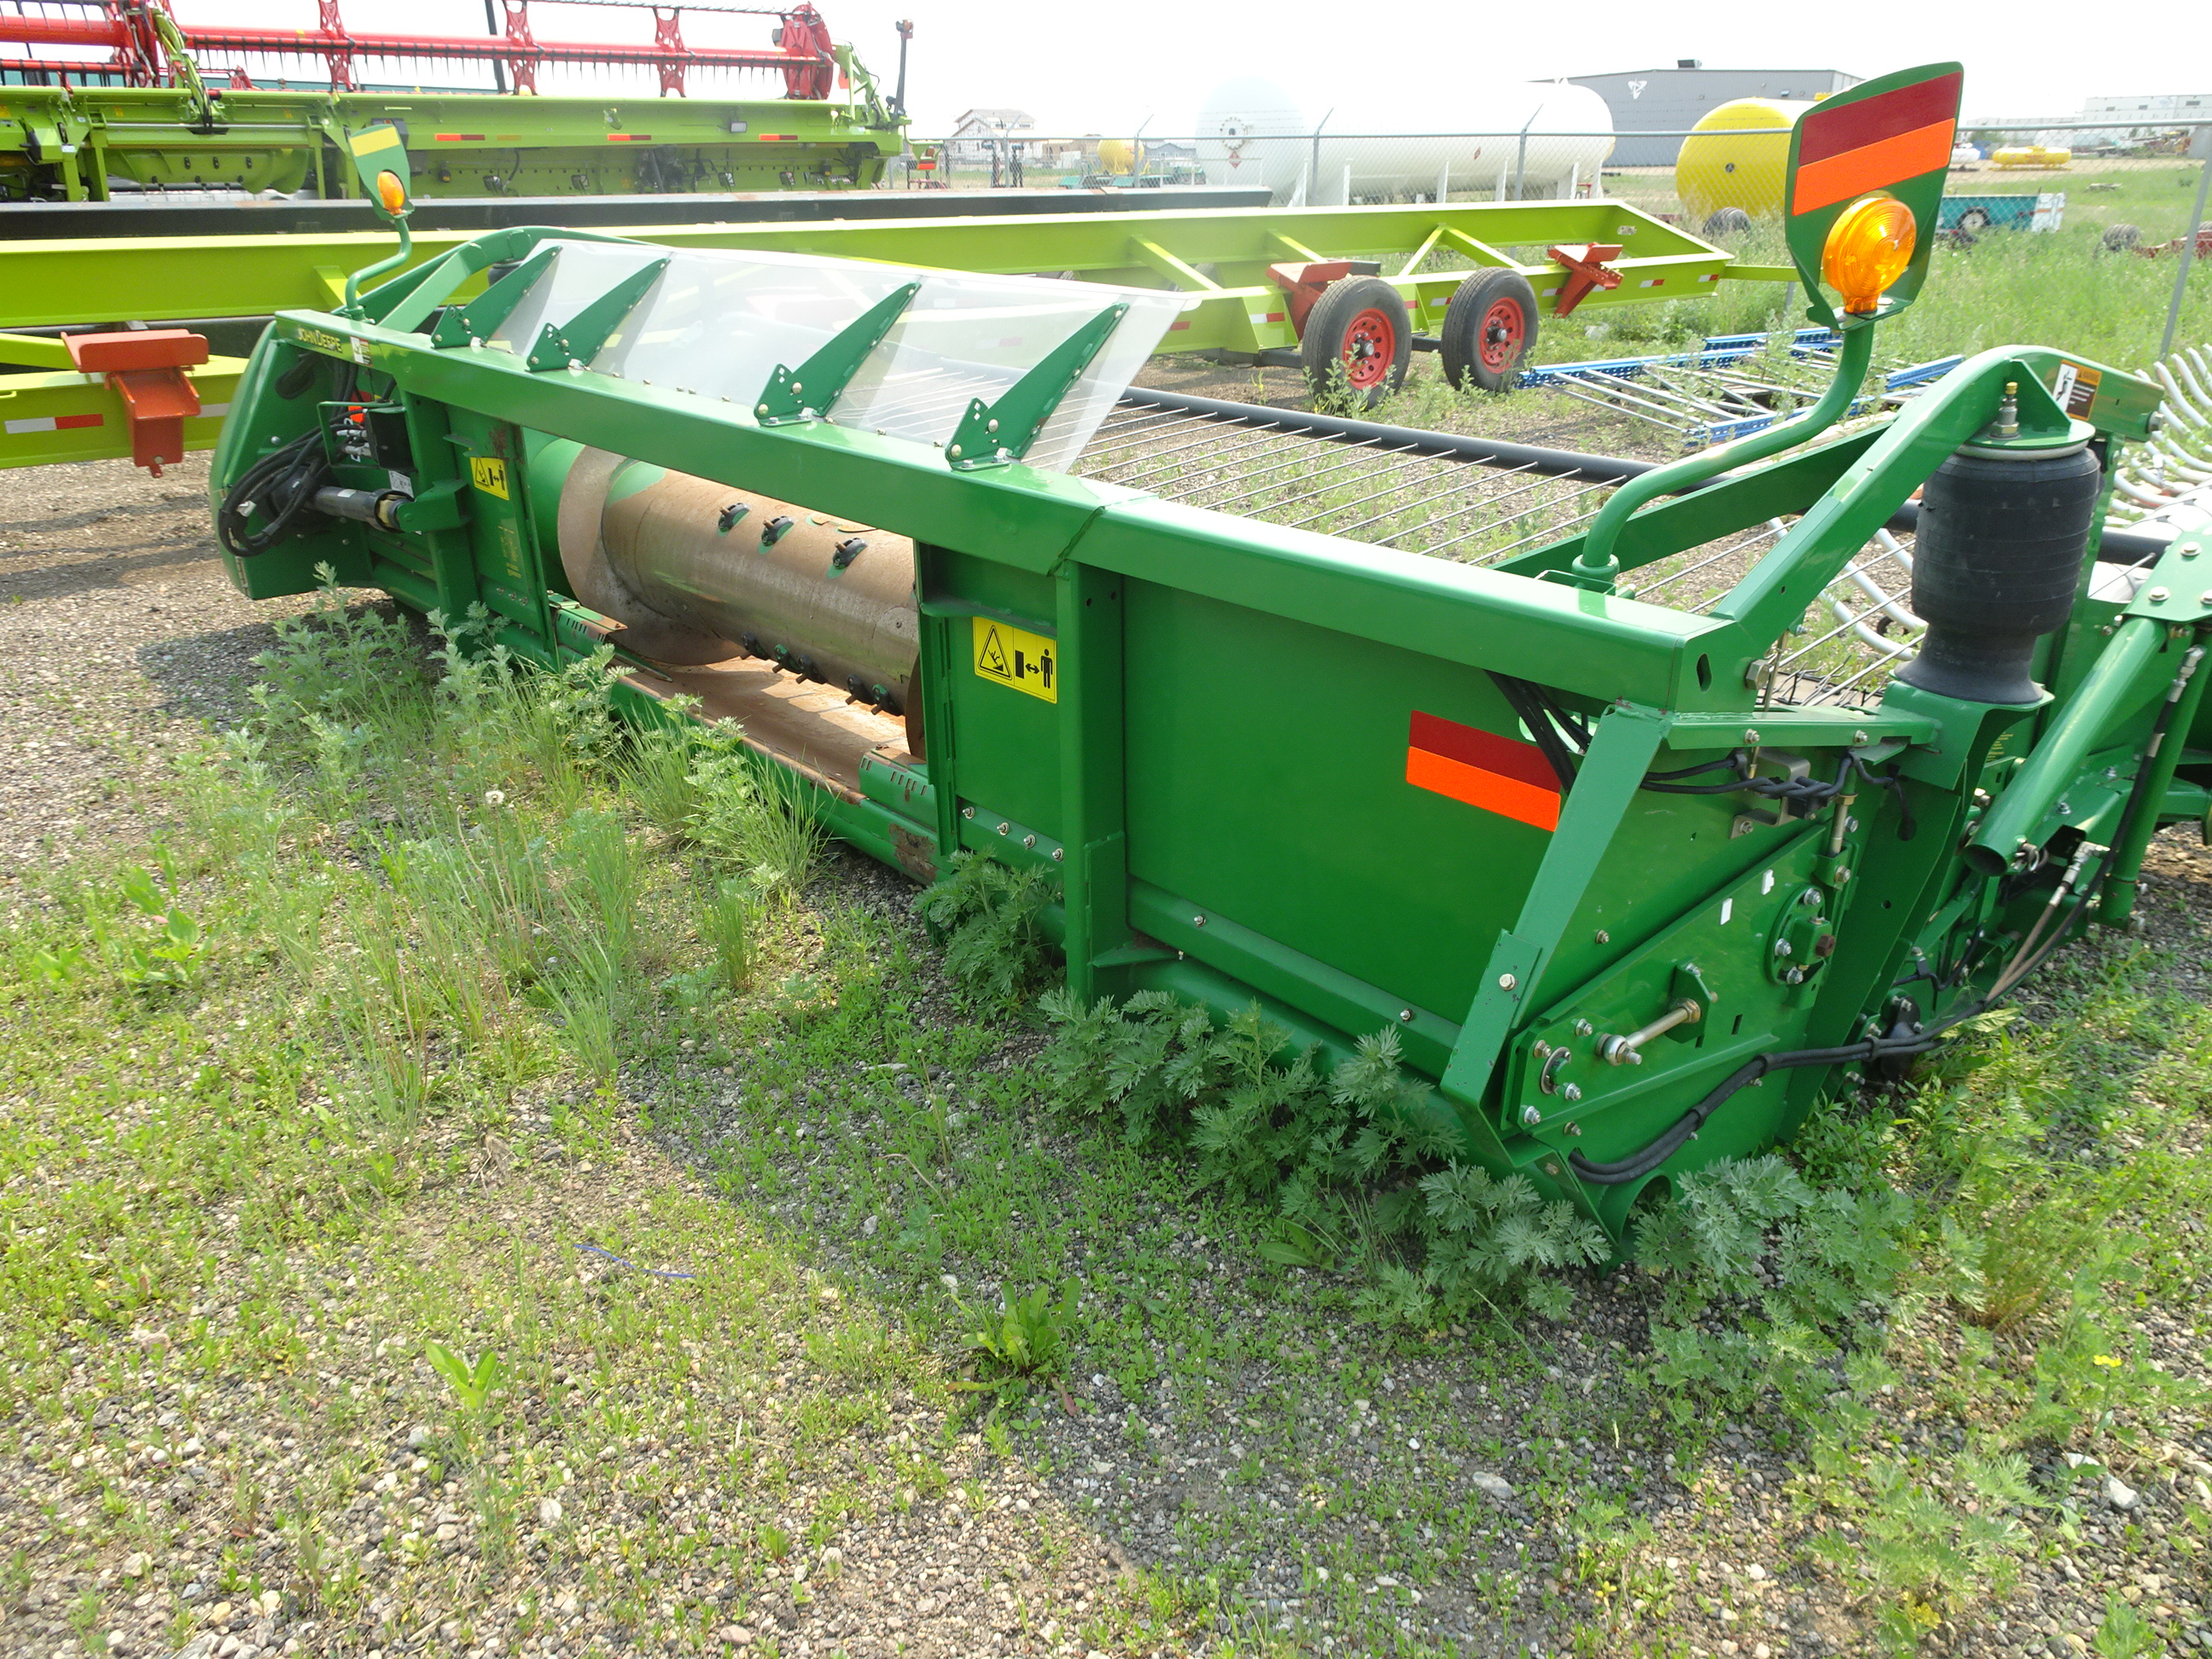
x,y
1491,791
1872,166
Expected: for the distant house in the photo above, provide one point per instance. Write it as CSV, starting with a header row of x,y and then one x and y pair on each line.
x,y
977,133
1675,100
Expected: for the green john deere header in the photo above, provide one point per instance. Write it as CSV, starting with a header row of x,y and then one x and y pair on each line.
x,y
1631,894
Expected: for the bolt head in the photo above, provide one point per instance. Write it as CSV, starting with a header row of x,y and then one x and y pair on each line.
x,y
1859,739
1198,921
1404,1017
763,409
1751,735
1794,976
990,425
1602,937
1531,1116
1571,1093
967,812
1506,982
1003,828
954,451
1059,854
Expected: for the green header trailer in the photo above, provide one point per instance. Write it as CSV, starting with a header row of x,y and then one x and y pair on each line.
x,y
1631,878
1346,293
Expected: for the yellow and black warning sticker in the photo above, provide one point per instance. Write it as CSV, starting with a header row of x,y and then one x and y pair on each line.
x,y
489,474
1027,662
2075,386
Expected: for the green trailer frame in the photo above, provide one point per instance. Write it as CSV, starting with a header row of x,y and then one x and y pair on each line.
x,y
1225,261
71,141
1221,784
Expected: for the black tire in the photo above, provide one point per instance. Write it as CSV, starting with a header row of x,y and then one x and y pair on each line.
x,y
1974,218
1358,338
1726,221
1490,329
2120,238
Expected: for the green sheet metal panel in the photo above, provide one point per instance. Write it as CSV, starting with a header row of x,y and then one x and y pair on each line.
x,y
1267,763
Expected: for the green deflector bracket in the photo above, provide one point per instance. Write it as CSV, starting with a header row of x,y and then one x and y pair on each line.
x,y
807,392
992,434
482,316
590,329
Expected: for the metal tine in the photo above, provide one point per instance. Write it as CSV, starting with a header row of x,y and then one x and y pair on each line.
x,y
1814,644
1363,451
1200,480
1159,460
1407,506
1625,402
1166,427
1474,506
1774,528
1553,531
1569,385
1137,455
1667,383
1307,495
1372,495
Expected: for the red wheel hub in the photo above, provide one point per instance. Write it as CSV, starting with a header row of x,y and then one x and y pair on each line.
x,y
1370,346
1505,334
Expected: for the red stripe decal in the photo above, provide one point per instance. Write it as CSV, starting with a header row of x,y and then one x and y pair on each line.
x,y
1827,132
459,137
70,423
1508,756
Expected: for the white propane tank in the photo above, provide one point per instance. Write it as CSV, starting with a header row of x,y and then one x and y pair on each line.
x,y
1253,132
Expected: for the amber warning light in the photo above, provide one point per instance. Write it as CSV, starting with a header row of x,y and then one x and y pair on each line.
x,y
1868,247
391,192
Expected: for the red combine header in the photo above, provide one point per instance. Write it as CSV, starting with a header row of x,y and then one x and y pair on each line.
x,y
144,43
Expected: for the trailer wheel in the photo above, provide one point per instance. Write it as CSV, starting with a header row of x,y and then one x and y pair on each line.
x,y
1361,324
1490,329
1974,218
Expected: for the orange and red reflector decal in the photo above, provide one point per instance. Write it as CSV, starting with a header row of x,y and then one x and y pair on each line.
x,y
1499,774
1874,143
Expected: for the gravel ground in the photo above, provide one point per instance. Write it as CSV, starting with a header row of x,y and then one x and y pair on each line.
x,y
134,637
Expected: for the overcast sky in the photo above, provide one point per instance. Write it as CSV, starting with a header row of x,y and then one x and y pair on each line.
x,y
1107,65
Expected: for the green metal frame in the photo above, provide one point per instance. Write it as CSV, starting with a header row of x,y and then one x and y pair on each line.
x,y
1220,257
188,138
1220,787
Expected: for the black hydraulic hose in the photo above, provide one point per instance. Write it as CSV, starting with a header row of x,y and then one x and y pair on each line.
x,y
279,487
2032,956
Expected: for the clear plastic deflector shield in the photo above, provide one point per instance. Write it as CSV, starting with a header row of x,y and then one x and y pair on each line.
x,y
718,323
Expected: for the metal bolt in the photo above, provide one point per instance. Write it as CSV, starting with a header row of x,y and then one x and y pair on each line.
x,y
1552,1169
1542,1051
2065,809
1782,947
1583,1028
1003,828
2205,598
1574,1129
1531,1116
1602,937
1404,1017
2158,596
2190,550
1571,1093
1058,853
1794,976
954,451
1859,739
1198,921
1751,736
1028,840
763,409
1506,982
967,812
796,388
990,425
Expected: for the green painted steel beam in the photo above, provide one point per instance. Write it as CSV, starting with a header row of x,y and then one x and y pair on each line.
x,y
45,419
154,279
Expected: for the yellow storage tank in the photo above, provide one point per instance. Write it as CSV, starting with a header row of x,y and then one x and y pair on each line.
x,y
1735,158
1119,155
2031,155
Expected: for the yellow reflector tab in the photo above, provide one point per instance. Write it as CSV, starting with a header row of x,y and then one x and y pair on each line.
x,y
1868,248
